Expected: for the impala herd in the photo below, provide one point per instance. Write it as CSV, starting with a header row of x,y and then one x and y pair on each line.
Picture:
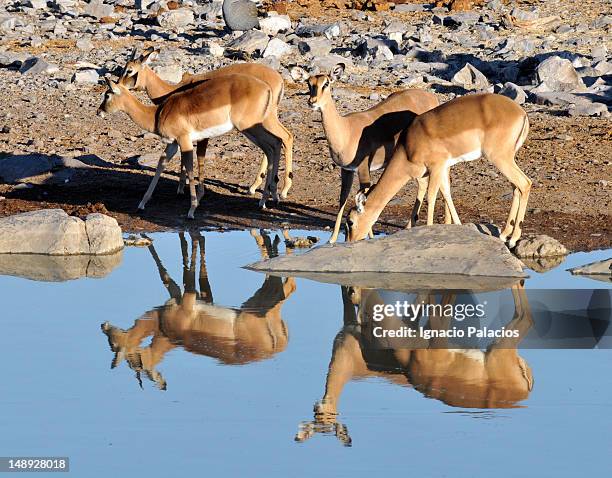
x,y
409,134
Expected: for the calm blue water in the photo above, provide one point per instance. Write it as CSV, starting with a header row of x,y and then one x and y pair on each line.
x,y
230,408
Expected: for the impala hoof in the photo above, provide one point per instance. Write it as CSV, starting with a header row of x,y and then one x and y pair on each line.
x,y
512,244
252,191
141,207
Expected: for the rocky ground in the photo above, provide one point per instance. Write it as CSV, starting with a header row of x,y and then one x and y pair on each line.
x,y
551,56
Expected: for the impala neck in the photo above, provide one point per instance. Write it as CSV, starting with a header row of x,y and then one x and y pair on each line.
x,y
141,114
154,85
336,126
378,198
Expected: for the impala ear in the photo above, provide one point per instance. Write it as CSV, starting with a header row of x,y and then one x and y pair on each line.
x,y
134,53
113,86
360,200
298,74
148,55
337,71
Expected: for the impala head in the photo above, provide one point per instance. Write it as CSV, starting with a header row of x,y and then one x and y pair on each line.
x,y
319,86
357,224
131,76
112,98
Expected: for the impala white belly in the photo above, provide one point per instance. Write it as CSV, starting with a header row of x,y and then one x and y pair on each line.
x,y
212,132
474,354
471,156
219,313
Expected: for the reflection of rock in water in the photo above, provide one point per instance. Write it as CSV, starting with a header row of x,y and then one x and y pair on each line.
x,y
543,264
47,268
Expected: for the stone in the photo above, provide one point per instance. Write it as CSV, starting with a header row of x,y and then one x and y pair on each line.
x,y
37,66
524,15
98,9
250,42
327,30
277,47
411,7
215,49
176,19
325,64
103,233
559,75
274,24
240,15
88,77
438,249
589,109
540,246
47,268
514,92
53,232
37,4
599,268
171,73
470,78
84,44
316,46
549,98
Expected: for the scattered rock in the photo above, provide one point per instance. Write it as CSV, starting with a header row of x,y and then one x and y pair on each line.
x,y
171,73
514,92
559,75
277,47
540,246
301,242
89,77
470,78
36,66
176,19
53,232
316,46
250,42
589,109
98,9
274,24
84,44
240,15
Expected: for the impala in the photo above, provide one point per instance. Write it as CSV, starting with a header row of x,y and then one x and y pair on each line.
x,y
137,75
206,109
461,130
363,141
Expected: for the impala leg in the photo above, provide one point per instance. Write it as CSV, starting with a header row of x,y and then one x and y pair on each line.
x,y
519,200
418,202
187,158
435,177
201,154
170,151
274,126
449,208
365,182
346,177
263,167
271,146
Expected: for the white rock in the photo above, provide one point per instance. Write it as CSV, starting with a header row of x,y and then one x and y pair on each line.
x,y
90,77
171,73
175,19
274,24
104,234
215,49
277,47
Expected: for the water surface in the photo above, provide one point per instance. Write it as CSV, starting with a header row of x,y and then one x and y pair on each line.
x,y
160,370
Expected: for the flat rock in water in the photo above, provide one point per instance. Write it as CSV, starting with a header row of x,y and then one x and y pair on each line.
x,y
53,232
601,270
437,249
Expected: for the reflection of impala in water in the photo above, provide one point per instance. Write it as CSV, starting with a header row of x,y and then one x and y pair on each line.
x,y
495,378
253,332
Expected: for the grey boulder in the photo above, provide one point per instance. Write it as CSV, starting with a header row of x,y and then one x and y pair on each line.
x,y
175,19
540,246
437,249
559,75
240,15
471,78
53,232
250,42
